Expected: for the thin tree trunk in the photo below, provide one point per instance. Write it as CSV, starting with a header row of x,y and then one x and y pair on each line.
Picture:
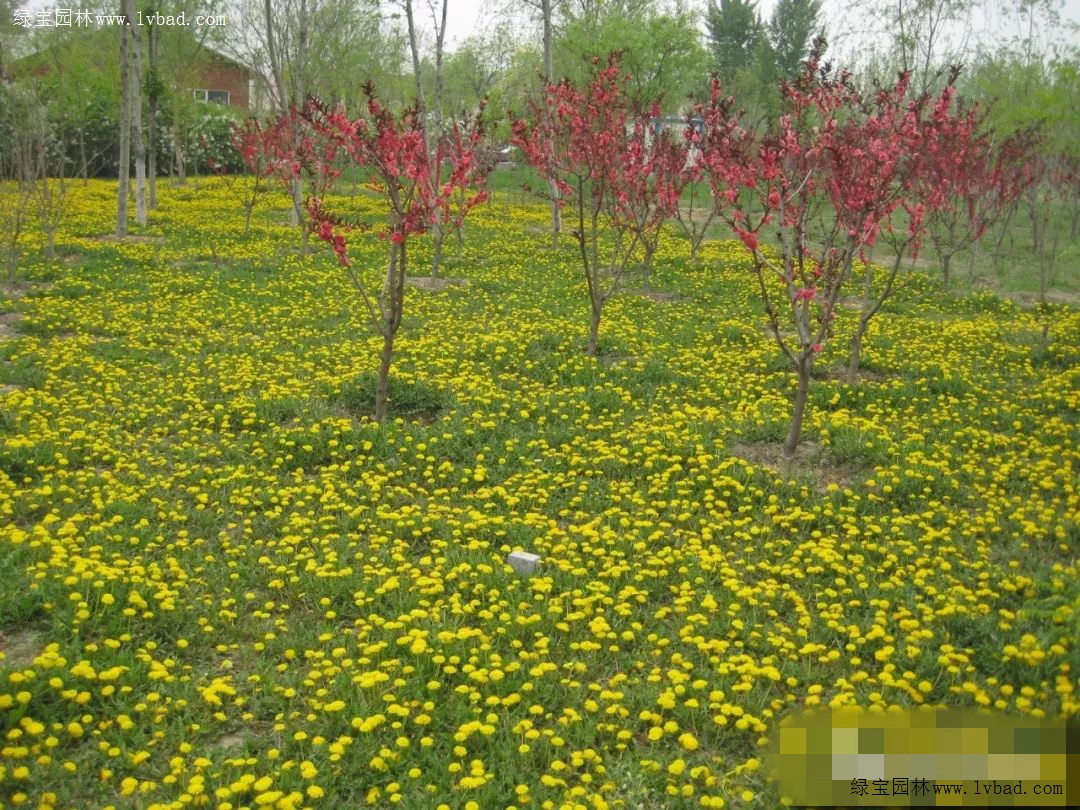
x,y
124,162
646,264
414,50
151,121
803,369
856,346
83,171
385,359
136,119
946,260
438,229
594,329
178,150
976,249
549,79
390,306
299,92
1005,224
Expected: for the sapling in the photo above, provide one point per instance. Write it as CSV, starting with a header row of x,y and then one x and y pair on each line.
x,y
620,183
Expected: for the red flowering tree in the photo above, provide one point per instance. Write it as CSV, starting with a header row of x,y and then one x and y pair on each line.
x,y
956,187
621,181
977,182
258,148
393,149
699,213
833,158
655,192
287,150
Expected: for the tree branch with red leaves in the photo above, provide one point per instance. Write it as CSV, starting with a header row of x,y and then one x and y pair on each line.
x,y
394,150
621,180
832,150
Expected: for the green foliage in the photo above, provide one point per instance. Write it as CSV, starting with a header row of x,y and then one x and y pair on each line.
x,y
734,30
661,51
791,29
409,399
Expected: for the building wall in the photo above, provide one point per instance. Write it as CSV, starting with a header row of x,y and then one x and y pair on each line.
x,y
220,75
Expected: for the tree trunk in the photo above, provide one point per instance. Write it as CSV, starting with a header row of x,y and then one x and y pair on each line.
x,y
151,121
460,234
856,347
83,170
549,78
432,139
124,162
385,358
946,260
439,235
803,368
646,264
976,249
1006,222
136,118
297,203
594,330
178,153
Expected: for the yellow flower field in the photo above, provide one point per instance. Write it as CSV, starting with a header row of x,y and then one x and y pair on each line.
x,y
223,587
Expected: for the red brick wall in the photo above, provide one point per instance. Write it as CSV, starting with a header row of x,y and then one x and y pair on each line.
x,y
220,75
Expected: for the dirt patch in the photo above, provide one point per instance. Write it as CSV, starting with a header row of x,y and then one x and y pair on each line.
x,y
615,359
1029,299
229,741
17,290
131,238
439,283
811,461
424,418
853,302
9,387
864,375
660,296
699,214
789,335
7,324
20,646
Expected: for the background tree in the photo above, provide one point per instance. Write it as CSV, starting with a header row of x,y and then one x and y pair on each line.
x,y
365,44
660,50
915,36
180,56
545,11
430,115
136,109
793,26
743,57
734,30
18,112
125,122
475,70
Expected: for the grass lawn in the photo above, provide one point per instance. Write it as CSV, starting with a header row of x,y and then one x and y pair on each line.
x,y
223,586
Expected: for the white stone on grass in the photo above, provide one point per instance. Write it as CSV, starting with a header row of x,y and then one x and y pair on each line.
x,y
524,563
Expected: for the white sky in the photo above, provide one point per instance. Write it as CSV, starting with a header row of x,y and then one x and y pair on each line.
x,y
466,17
